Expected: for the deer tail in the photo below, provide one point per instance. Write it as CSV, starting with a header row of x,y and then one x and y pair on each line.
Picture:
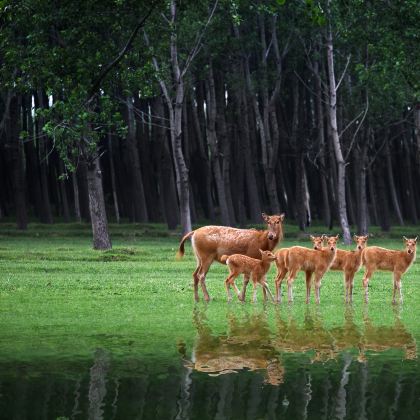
x,y
181,250
223,258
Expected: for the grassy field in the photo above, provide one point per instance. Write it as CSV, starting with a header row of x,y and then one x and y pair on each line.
x,y
58,296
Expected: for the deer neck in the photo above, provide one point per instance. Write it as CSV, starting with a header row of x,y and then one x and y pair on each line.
x,y
265,265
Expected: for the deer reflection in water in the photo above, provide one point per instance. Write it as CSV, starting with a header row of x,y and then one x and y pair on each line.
x,y
247,345
250,344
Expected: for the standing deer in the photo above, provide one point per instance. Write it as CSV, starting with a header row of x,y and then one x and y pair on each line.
x,y
298,258
377,258
249,267
211,242
347,261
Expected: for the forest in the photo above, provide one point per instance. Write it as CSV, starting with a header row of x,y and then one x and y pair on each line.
x,y
194,111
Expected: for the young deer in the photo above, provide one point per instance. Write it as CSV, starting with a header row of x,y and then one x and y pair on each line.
x,y
249,267
377,258
310,261
211,242
347,261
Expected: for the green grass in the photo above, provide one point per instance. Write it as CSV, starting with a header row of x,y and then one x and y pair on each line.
x,y
60,299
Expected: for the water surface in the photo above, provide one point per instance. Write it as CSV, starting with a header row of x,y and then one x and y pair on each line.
x,y
256,363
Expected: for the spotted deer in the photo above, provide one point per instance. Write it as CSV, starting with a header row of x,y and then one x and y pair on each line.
x,y
250,268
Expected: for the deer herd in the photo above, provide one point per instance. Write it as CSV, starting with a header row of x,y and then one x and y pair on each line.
x,y
250,252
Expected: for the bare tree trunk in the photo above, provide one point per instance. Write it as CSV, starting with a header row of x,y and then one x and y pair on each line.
x,y
76,198
12,129
63,192
203,158
332,114
408,181
392,189
382,198
98,217
166,181
373,197
137,195
214,150
113,180
326,211
362,216
42,102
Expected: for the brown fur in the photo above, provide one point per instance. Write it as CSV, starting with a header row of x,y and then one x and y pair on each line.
x,y
211,242
310,261
249,267
349,262
377,258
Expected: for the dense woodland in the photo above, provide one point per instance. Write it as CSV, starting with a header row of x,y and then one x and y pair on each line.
x,y
210,111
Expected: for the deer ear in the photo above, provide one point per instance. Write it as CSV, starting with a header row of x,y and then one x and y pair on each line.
x,y
264,216
262,252
355,237
282,216
337,237
405,239
311,237
415,239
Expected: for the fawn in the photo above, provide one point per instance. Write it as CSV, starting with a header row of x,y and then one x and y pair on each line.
x,y
249,267
347,261
211,242
377,258
298,258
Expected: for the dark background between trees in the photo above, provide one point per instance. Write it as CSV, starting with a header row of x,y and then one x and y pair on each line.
x,y
210,111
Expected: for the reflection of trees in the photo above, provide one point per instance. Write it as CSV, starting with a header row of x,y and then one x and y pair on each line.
x,y
97,386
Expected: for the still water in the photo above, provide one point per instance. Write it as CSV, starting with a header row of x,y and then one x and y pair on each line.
x,y
257,365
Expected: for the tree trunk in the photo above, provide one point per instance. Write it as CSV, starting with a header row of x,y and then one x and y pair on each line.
x,y
63,191
216,159
113,180
326,212
98,216
382,198
203,165
12,129
166,181
41,101
332,114
373,197
137,194
362,209
76,198
392,189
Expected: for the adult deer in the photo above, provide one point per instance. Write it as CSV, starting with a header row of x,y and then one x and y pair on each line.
x,y
377,258
210,243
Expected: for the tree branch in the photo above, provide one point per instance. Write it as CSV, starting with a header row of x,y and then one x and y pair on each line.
x,y
96,84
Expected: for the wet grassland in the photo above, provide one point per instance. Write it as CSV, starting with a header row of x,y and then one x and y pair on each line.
x,y
116,334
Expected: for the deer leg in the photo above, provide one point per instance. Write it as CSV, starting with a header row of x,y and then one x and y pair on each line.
x,y
237,291
308,275
263,289
351,282
397,286
290,281
196,281
205,265
246,281
346,286
281,274
318,278
254,296
366,278
265,286
228,281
